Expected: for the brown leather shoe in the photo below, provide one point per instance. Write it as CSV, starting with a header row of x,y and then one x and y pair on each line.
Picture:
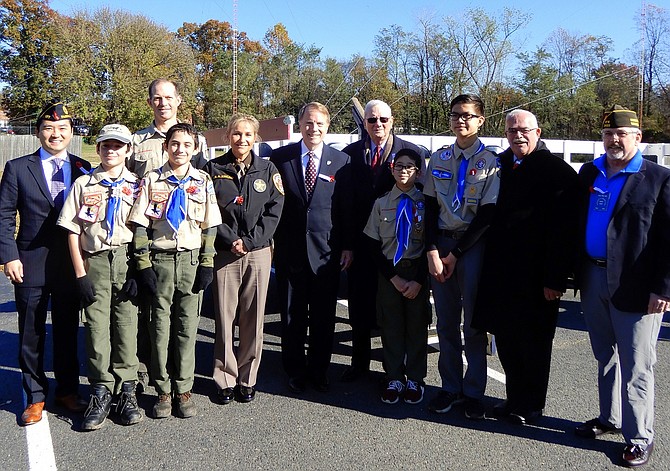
x,y
71,402
32,414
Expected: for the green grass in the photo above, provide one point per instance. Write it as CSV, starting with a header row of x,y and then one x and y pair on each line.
x,y
88,153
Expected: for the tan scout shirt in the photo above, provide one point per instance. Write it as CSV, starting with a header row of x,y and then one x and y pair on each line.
x,y
481,183
148,153
150,209
85,208
381,223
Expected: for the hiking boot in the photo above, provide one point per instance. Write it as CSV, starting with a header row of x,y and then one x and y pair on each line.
x,y
185,405
98,408
163,406
126,405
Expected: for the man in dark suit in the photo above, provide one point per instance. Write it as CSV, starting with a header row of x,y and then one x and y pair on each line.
x,y
37,262
371,160
528,256
625,281
313,244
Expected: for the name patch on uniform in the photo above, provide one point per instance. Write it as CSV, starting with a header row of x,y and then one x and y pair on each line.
x,y
224,176
260,185
471,201
442,174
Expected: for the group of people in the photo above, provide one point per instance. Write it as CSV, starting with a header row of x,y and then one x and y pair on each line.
x,y
494,236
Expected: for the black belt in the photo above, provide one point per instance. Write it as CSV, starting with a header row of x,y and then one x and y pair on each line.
x,y
599,262
452,234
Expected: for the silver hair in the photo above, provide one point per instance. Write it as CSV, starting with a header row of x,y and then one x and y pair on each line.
x,y
381,104
523,113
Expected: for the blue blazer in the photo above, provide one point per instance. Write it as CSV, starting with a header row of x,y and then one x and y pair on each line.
x,y
315,230
40,244
638,236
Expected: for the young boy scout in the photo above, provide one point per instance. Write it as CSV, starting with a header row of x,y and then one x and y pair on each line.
x,y
396,227
95,213
176,215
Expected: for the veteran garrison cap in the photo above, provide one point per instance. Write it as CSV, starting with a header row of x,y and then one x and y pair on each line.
x,y
55,110
118,132
620,117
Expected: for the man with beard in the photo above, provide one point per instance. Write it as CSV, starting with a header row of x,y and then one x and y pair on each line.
x,y
527,260
625,281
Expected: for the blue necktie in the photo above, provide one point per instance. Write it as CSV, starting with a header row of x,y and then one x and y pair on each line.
x,y
58,183
176,210
113,204
403,225
460,191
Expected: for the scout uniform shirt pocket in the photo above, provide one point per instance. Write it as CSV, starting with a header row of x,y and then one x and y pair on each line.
x,y
387,223
91,207
197,198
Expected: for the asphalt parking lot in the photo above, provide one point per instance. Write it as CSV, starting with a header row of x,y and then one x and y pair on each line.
x,y
346,428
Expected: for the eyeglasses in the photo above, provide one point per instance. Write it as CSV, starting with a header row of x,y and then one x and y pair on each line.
x,y
383,120
400,168
463,116
620,134
524,131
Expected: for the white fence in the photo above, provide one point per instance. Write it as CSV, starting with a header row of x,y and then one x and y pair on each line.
x,y
574,152
13,146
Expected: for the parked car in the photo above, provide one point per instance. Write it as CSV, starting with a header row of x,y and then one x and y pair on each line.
x,y
6,130
80,128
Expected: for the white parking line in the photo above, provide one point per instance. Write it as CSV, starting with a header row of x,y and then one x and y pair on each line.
x,y
40,447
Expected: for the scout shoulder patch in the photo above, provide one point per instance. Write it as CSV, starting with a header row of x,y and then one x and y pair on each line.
x,y
89,213
276,179
159,196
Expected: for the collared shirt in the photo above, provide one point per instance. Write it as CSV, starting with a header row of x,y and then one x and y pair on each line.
x,y
305,157
48,168
382,221
85,209
481,183
373,148
148,153
150,209
604,195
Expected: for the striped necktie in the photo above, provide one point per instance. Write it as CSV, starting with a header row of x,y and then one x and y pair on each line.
x,y
58,183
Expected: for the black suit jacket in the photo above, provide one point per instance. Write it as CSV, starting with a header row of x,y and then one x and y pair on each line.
x,y
638,236
318,229
40,244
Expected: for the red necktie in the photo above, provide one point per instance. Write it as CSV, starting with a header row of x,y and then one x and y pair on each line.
x,y
310,174
375,158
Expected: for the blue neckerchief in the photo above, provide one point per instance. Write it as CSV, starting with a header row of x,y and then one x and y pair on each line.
x,y
462,172
176,210
403,225
113,204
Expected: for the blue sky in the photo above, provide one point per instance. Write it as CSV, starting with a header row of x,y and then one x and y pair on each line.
x,y
346,27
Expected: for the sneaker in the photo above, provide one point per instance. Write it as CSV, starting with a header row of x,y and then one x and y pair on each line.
x,y
444,401
414,392
474,409
185,405
98,408
393,391
126,405
162,407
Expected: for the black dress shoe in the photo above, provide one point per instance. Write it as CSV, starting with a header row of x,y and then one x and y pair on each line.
x,y
635,455
501,410
225,396
524,416
297,385
594,428
352,373
321,383
244,393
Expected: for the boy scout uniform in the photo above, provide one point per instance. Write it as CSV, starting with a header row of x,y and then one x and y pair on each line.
x,y
403,321
111,321
456,212
175,257
149,154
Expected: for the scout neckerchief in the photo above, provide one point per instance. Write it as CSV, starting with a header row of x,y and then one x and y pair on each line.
x,y
176,210
403,225
113,204
462,172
